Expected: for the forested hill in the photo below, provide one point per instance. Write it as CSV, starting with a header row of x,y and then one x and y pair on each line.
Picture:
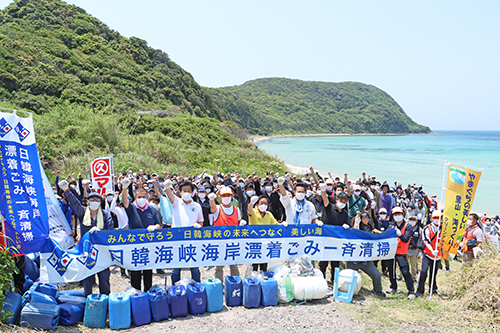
x,y
54,54
288,106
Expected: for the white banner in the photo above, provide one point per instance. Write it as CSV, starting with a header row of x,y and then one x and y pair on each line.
x,y
139,249
59,228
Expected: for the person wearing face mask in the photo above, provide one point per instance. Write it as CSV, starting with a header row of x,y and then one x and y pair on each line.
x,y
384,225
386,199
298,210
431,254
335,214
141,216
404,232
356,202
473,237
317,200
93,218
275,206
202,199
185,213
412,255
244,194
258,215
225,214
374,190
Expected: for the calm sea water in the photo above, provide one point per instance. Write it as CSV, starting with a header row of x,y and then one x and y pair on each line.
x,y
406,159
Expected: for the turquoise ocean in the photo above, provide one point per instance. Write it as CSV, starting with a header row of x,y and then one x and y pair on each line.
x,y
407,159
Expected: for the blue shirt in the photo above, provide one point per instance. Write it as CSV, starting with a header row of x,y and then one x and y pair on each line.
x,y
67,211
141,219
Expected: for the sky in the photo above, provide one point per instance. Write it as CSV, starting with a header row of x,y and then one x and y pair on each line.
x,y
438,59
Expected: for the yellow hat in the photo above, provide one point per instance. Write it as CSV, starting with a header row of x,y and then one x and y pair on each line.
x,y
226,190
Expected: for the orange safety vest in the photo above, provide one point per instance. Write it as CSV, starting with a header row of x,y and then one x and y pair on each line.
x,y
433,242
402,246
224,219
469,235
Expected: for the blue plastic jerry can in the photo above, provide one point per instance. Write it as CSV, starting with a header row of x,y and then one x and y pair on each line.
x,y
197,298
178,299
251,293
234,290
119,311
269,291
141,310
96,310
158,300
215,295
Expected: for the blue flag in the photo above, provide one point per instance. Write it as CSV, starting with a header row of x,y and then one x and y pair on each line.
x,y
22,198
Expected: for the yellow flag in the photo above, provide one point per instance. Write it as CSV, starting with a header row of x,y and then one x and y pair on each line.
x,y
461,188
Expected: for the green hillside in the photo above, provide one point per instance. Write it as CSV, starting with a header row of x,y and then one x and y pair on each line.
x,y
52,53
285,106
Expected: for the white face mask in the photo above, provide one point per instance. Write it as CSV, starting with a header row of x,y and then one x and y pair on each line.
x,y
435,221
319,193
208,190
141,202
250,193
340,205
383,216
300,196
309,193
413,223
269,188
364,188
329,188
398,218
94,205
202,195
242,184
262,208
109,198
186,196
155,206
377,188
226,200
357,193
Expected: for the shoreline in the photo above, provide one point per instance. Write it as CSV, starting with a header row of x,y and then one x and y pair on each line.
x,y
279,136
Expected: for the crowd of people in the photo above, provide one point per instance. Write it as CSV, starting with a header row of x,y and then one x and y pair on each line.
x,y
203,200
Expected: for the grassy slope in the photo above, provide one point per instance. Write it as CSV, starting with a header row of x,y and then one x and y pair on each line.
x,y
69,138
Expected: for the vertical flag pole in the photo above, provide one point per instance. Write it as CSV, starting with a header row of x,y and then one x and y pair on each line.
x,y
441,204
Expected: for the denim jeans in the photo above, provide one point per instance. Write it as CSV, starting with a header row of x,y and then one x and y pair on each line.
x,y
176,274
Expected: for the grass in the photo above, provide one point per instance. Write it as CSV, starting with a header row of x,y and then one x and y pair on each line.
x,y
447,312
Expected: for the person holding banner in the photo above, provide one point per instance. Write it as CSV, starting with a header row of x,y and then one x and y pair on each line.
x,y
404,232
185,213
92,218
431,254
140,216
225,214
473,238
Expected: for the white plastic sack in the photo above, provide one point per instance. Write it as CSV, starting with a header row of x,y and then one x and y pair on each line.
x,y
309,287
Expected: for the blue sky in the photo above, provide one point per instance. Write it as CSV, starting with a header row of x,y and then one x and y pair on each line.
x,y
438,59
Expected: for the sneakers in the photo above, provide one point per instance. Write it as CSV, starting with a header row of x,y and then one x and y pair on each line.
x,y
391,291
411,296
418,294
379,293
